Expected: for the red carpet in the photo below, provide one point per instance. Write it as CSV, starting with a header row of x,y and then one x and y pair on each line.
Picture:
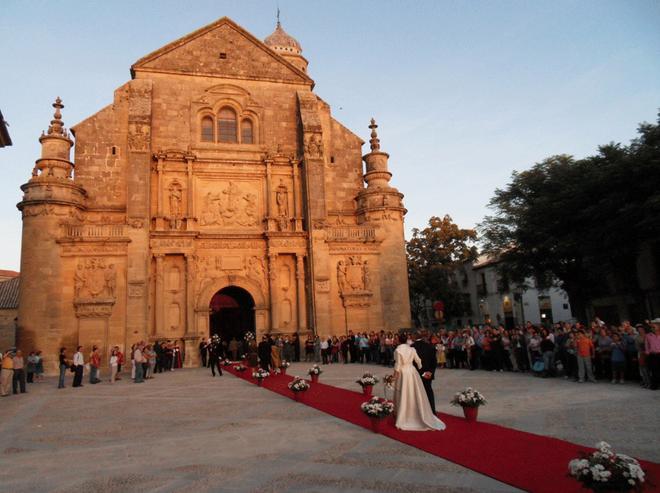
x,y
524,460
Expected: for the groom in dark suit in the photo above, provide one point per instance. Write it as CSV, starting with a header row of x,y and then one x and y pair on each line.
x,y
426,353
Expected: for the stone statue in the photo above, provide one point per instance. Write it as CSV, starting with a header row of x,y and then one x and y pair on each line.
x,y
175,199
79,280
256,269
366,279
111,280
282,200
341,276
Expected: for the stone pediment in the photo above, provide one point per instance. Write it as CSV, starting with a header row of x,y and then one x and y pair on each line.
x,y
221,49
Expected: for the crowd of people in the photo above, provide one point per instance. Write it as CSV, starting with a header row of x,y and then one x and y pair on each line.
x,y
613,353
146,360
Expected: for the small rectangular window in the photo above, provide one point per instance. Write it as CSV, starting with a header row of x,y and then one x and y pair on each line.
x,y
223,56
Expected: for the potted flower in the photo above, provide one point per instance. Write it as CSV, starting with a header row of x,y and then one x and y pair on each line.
x,y
603,470
226,362
314,372
470,400
377,408
239,367
388,383
260,374
367,382
298,386
283,366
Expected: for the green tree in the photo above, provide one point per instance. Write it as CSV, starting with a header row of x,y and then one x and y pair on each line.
x,y
580,223
433,255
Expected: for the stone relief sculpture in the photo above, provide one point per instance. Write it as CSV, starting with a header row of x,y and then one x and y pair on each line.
x,y
230,207
256,269
353,275
313,146
94,278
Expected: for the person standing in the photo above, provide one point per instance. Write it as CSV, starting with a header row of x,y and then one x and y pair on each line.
x,y
94,365
31,367
426,353
203,351
138,358
114,363
413,411
296,347
19,373
78,367
652,346
585,351
640,343
263,351
64,366
6,373
215,350
233,349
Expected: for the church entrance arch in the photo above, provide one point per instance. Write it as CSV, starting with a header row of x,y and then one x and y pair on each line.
x,y
232,313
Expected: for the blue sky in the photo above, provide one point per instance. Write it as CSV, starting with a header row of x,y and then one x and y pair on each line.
x,y
464,92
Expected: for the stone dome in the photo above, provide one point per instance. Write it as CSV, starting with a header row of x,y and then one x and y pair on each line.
x,y
282,42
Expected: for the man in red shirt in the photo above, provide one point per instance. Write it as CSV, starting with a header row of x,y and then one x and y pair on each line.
x,y
585,351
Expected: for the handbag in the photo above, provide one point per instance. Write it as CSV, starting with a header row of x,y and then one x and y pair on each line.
x,y
538,366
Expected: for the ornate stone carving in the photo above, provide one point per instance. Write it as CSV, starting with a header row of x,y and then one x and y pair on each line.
x,y
230,207
94,279
96,309
313,146
353,275
256,269
139,136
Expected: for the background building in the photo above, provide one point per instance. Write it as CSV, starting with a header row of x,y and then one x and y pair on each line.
x,y
9,284
492,299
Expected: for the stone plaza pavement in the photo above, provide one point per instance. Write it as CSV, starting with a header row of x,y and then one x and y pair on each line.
x,y
186,431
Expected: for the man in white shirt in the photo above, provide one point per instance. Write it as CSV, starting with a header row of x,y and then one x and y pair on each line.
x,y
139,359
78,365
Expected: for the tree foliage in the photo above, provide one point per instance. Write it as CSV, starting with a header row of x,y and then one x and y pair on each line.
x,y
433,255
580,222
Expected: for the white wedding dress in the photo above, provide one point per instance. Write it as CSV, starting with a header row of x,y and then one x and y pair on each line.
x,y
413,411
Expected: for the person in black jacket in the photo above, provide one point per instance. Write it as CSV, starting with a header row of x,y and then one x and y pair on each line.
x,y
263,351
215,351
426,353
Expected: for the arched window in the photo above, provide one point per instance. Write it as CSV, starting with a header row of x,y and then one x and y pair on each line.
x,y
246,132
207,129
227,125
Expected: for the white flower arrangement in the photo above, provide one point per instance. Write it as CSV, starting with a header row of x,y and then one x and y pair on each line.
x,y
468,398
315,370
239,368
298,384
249,336
260,374
367,380
603,470
226,362
377,407
285,364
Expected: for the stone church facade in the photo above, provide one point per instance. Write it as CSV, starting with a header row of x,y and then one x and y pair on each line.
x,y
216,180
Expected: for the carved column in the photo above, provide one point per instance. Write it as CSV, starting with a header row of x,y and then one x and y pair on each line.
x,y
160,293
302,306
297,199
190,320
274,305
191,195
269,199
159,171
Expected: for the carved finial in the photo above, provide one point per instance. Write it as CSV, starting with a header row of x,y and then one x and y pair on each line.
x,y
278,16
374,141
56,125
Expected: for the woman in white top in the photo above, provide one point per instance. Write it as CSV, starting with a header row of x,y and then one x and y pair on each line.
x,y
413,411
114,361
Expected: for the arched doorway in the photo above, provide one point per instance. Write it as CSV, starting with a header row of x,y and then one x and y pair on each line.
x,y
231,313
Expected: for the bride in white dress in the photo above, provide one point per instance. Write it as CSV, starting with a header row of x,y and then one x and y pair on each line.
x,y
413,411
